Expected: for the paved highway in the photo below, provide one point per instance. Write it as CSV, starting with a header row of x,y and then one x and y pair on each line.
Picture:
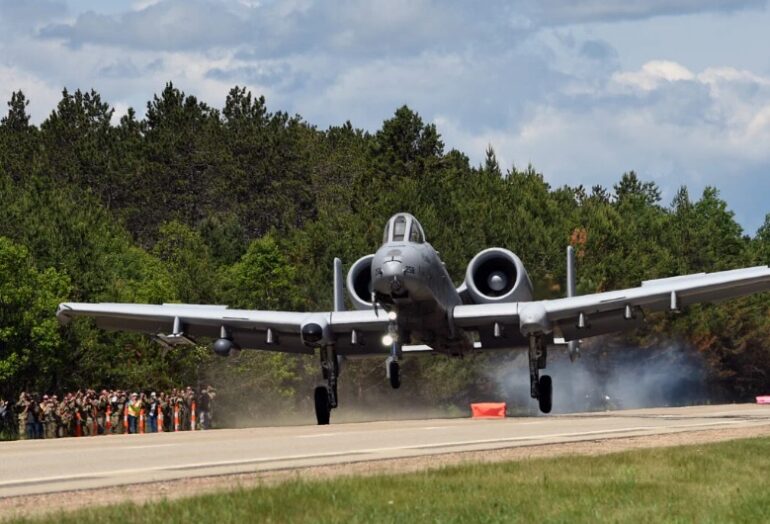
x,y
43,466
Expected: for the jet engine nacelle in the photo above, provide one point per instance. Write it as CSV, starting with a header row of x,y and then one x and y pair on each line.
x,y
497,275
359,283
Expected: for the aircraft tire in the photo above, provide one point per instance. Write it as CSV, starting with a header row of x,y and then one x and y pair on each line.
x,y
395,375
545,396
322,406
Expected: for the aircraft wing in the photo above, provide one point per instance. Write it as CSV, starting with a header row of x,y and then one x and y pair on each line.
x,y
589,315
269,330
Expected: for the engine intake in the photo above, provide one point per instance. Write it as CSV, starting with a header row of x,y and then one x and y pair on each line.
x,y
359,283
497,275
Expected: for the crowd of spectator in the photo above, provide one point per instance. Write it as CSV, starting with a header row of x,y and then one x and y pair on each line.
x,y
91,412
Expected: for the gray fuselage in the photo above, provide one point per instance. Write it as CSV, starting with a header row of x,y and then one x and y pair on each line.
x,y
408,277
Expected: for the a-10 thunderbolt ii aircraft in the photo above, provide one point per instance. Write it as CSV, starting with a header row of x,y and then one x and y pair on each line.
x,y
405,301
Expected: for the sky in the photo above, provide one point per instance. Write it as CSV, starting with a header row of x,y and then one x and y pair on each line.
x,y
676,90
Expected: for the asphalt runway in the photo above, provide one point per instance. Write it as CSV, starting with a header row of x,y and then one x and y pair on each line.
x,y
44,466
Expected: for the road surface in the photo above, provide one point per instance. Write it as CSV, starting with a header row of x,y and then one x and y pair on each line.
x,y
45,466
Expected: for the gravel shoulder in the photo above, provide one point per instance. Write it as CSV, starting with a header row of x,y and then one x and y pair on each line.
x,y
34,505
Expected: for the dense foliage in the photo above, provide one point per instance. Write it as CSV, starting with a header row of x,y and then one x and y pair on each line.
x,y
248,207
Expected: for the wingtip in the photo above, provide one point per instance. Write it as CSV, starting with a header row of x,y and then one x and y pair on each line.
x,y
62,313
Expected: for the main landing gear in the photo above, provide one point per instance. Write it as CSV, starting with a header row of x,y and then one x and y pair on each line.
x,y
541,388
326,396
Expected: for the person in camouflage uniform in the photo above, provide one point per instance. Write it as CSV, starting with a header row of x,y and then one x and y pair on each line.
x,y
61,426
167,415
87,413
118,402
100,406
68,416
189,398
55,403
21,410
48,415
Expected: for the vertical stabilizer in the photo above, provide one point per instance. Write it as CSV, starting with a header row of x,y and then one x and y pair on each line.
x,y
339,292
573,345
571,271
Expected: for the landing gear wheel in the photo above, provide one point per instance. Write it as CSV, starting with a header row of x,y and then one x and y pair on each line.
x,y
322,405
394,373
545,393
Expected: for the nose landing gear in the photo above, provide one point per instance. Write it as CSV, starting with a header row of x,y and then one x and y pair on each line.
x,y
394,336
393,372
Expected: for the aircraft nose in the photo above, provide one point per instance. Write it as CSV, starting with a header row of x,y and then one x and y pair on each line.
x,y
392,268
393,272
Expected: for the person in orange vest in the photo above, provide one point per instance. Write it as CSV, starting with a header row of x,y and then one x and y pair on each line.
x,y
134,408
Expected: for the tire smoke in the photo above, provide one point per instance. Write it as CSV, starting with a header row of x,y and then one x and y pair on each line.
x,y
609,376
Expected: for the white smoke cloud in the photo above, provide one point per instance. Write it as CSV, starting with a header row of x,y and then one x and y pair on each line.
x,y
617,377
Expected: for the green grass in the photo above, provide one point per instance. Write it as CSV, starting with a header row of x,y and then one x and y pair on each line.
x,y
725,482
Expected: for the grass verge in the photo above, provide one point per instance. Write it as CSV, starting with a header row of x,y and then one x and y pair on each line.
x,y
724,482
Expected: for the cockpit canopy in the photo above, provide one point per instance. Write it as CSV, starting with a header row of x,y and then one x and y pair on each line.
x,y
403,227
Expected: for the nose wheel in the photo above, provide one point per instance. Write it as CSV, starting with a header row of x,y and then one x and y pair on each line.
x,y
394,373
392,368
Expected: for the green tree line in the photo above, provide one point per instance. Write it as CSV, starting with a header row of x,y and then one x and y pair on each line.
x,y
248,207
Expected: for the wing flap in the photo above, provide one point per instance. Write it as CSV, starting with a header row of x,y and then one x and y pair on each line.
x,y
478,315
600,324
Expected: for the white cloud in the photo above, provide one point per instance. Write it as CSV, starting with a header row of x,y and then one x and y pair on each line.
x,y
586,11
18,18
675,127
41,95
536,79
169,25
653,74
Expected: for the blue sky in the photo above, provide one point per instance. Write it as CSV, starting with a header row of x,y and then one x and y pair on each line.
x,y
677,90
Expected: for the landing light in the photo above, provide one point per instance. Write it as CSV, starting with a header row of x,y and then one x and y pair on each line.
x,y
387,340
392,315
